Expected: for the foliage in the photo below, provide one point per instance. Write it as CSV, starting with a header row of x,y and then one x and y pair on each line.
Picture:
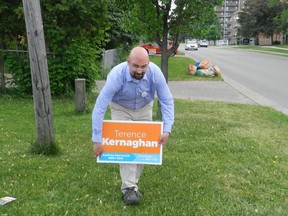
x,y
19,66
281,20
165,20
75,33
218,161
214,30
119,37
64,69
208,28
258,16
13,25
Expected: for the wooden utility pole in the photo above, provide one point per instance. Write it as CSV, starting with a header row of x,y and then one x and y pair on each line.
x,y
39,73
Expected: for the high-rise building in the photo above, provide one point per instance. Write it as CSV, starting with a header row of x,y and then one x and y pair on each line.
x,y
228,15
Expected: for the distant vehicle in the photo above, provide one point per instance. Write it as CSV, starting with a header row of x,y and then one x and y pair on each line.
x,y
203,43
191,45
153,48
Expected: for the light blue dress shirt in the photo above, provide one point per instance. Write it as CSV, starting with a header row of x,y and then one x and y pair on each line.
x,y
121,88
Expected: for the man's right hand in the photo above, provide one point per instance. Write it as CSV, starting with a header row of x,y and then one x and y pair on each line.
x,y
98,149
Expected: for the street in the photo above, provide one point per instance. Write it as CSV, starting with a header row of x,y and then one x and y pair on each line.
x,y
261,77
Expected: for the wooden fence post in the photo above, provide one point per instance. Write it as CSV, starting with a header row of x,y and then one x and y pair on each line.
x,y
80,92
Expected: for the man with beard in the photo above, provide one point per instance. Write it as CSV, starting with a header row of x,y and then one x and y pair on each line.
x,y
130,89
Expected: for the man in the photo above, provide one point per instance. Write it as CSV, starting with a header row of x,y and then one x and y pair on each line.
x,y
130,89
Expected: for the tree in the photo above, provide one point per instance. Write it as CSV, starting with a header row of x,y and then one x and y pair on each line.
x,y
75,33
258,17
163,20
281,20
117,37
214,33
39,73
11,27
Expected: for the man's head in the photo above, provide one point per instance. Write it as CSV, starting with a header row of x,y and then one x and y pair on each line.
x,y
138,61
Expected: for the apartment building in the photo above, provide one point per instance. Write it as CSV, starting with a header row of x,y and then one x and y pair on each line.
x,y
228,15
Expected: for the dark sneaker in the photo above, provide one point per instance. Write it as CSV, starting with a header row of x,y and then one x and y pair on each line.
x,y
132,197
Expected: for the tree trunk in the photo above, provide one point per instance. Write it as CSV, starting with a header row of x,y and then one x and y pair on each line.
x,y
39,73
164,65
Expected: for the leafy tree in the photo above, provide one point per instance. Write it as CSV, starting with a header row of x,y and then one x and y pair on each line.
x,y
214,33
213,29
11,31
209,29
281,20
75,33
258,17
160,20
118,37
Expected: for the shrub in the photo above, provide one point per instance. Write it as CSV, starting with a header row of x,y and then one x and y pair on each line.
x,y
276,43
78,60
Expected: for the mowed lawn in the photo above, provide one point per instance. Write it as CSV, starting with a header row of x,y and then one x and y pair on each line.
x,y
221,159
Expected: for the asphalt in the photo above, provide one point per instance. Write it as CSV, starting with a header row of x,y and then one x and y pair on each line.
x,y
226,91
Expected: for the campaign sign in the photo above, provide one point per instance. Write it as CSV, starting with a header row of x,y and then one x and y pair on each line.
x,y
135,142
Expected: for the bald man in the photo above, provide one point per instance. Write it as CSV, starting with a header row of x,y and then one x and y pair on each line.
x,y
130,90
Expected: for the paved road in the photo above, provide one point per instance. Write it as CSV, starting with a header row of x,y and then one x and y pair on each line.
x,y
261,77
231,90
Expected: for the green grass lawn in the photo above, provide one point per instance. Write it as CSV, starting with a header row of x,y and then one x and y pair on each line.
x,y
268,49
178,69
221,159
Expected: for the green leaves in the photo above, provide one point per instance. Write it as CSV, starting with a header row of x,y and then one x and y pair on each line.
x,y
75,33
262,16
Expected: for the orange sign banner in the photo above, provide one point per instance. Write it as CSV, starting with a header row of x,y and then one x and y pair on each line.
x,y
131,142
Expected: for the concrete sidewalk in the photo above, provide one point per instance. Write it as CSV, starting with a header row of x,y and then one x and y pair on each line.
x,y
202,90
207,90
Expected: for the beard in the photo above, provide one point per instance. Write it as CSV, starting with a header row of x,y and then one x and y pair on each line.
x,y
138,76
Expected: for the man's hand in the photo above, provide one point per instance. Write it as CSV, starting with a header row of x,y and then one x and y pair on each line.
x,y
98,149
164,138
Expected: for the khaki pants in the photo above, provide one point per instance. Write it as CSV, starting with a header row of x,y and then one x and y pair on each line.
x,y
130,173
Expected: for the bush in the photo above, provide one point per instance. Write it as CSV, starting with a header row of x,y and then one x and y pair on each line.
x,y
276,43
78,60
17,64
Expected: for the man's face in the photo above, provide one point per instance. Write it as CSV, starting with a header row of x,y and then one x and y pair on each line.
x,y
138,68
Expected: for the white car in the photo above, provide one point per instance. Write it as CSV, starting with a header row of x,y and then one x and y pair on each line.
x,y
203,44
191,46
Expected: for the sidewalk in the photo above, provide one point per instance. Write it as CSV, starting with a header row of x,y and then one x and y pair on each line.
x,y
202,90
225,91
207,90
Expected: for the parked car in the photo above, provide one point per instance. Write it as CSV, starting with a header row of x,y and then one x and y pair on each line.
x,y
191,46
153,48
203,43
